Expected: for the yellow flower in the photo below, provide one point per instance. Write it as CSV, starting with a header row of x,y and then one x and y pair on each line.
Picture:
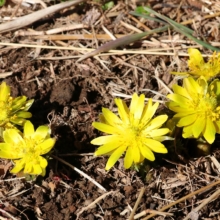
x,y
133,132
197,105
198,67
13,110
26,150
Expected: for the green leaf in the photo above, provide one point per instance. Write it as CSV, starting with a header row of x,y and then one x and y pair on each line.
x,y
121,42
108,5
2,2
182,29
141,10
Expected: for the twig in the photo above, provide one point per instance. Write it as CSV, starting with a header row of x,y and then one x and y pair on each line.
x,y
35,16
163,84
16,9
110,52
205,202
184,198
91,205
7,214
147,211
216,163
137,203
19,193
114,94
12,179
75,154
69,37
91,49
51,31
80,172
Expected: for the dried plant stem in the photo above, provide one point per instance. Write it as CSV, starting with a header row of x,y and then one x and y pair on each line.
x,y
205,202
148,211
80,172
7,214
12,179
35,16
215,162
137,203
184,198
117,52
91,205
75,154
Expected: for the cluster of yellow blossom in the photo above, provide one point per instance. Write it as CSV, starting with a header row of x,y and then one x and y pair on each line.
x,y
137,133
24,148
197,102
134,132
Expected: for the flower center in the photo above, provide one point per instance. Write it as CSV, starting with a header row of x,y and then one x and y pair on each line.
x,y
29,150
207,106
30,145
133,135
211,68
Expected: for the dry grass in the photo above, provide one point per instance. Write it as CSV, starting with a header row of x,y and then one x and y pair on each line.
x,y
74,30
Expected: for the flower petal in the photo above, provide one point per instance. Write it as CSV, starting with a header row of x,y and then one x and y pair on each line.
x,y
183,113
7,151
209,133
136,152
43,162
23,114
46,146
18,121
107,148
114,157
156,122
139,107
147,153
11,136
111,118
106,128
123,110
178,99
181,91
155,146
105,139
198,126
28,129
41,133
128,160
28,167
163,138
196,58
19,165
187,132
158,132
148,112
36,170
28,104
18,103
217,126
4,92
215,87
202,82
192,86
134,103
188,120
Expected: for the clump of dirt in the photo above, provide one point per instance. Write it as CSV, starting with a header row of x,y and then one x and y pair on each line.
x,y
69,96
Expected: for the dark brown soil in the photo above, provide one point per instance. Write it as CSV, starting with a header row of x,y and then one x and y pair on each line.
x,y
69,96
